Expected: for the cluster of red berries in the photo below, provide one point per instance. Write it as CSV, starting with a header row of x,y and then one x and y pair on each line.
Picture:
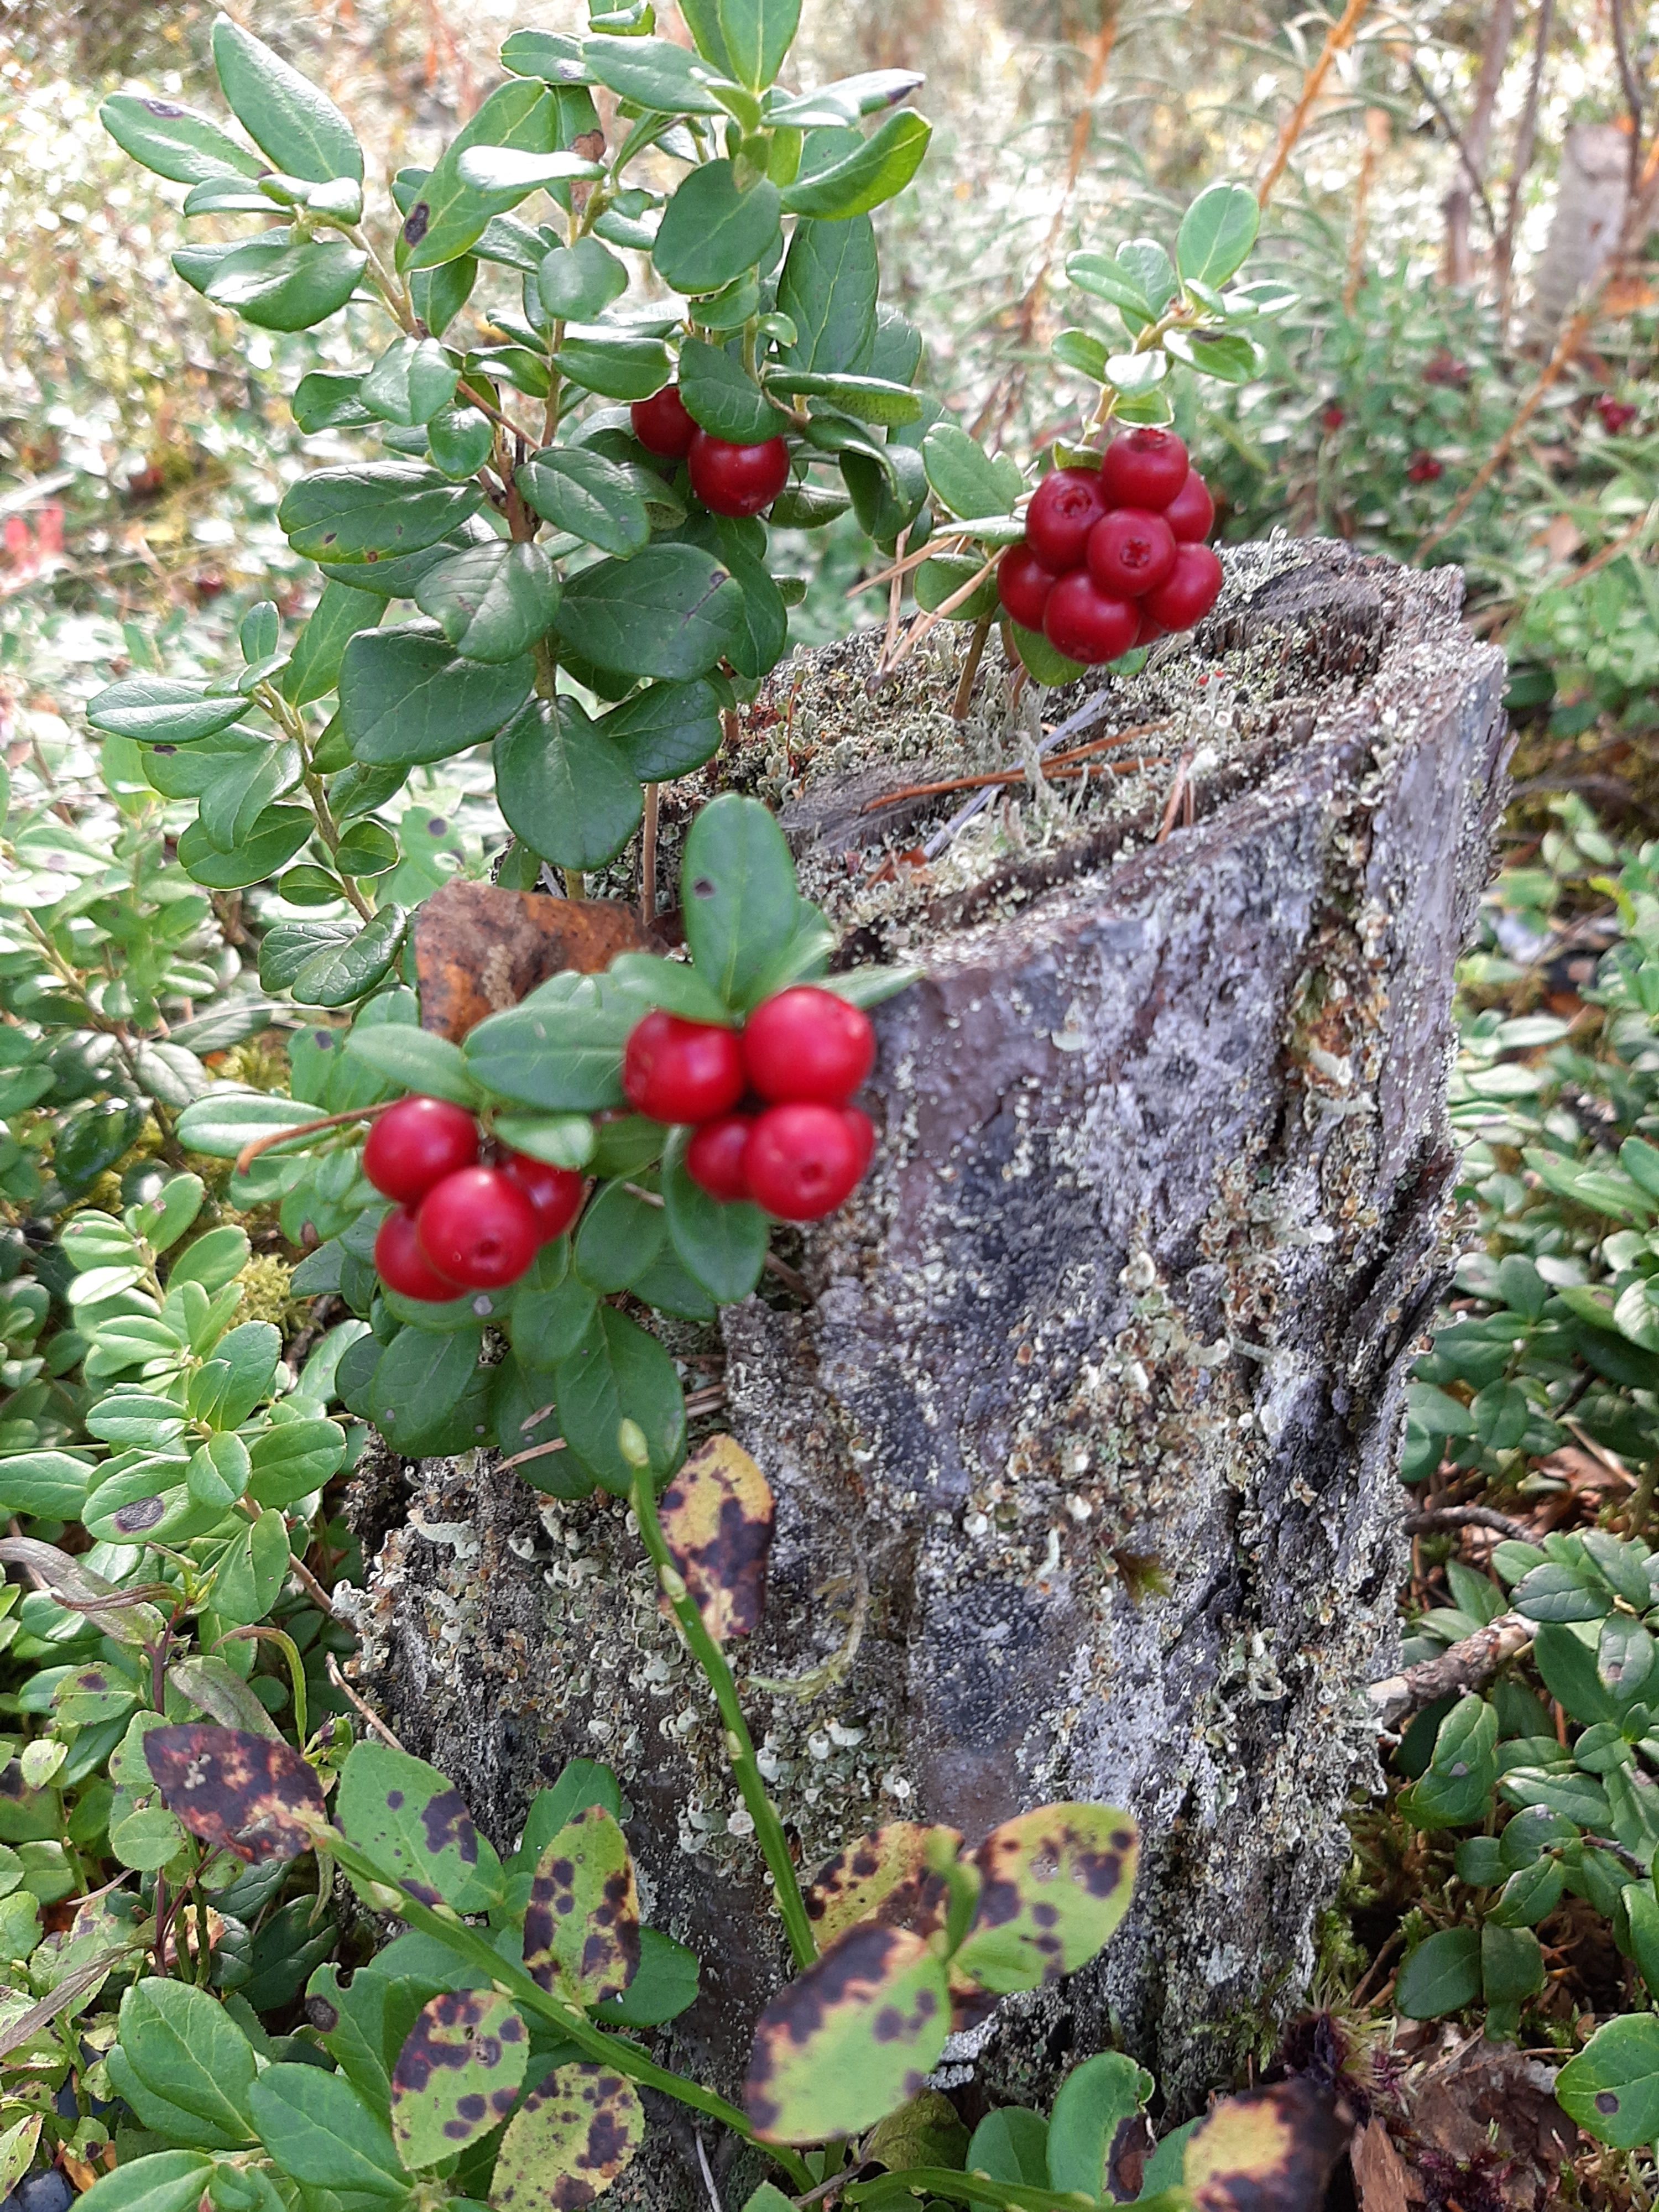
x,y
799,1151
458,1226
1616,415
1423,468
728,479
1114,557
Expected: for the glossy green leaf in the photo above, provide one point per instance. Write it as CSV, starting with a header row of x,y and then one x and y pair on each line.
x,y
577,283
164,2181
1441,1975
561,1049
665,730
1094,2102
1217,232
594,499
564,789
617,1373
1611,2088
721,397
491,602
286,116
738,894
338,975
828,288
756,35
366,512
323,2135
617,366
314,667
654,73
185,2049
619,1237
721,1245
1011,2144
174,142
459,440
422,1381
411,380
406,696
712,231
449,214
281,285
967,480
275,837
671,611
159,710
878,168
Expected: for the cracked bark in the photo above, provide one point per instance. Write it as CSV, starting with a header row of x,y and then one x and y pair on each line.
x,y
1094,1412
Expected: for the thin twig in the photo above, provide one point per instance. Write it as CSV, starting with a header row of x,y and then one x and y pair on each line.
x,y
1468,1516
952,541
1376,131
1053,764
300,1572
1459,145
1337,39
1360,1987
1462,1668
1633,101
1177,792
360,1705
923,624
1095,709
791,1277
894,599
707,2174
964,697
649,858
251,1151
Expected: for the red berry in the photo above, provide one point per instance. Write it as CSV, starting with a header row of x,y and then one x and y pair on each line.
x,y
479,1228
1616,415
680,1071
1191,513
1024,585
1144,468
715,1156
555,1193
1081,622
1333,417
1131,552
1149,630
1064,507
416,1143
808,1044
662,425
802,1160
1193,589
401,1264
1423,468
737,479
863,1131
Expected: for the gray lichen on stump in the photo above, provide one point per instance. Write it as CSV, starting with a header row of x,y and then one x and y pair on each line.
x,y
1084,1443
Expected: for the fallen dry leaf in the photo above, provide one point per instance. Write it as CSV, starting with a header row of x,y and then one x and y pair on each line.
x,y
479,948
1382,2179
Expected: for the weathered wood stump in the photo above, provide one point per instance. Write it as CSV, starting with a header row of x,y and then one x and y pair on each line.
x,y
1084,1436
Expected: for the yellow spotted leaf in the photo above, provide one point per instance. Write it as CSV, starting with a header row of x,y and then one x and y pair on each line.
x,y
717,1517
568,2142
582,1926
1054,1885
892,1875
1276,2146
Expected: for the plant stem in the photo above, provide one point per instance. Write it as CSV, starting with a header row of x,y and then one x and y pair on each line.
x,y
648,857
739,1747
617,2051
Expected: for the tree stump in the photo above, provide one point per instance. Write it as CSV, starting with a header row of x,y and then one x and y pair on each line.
x,y
1084,1436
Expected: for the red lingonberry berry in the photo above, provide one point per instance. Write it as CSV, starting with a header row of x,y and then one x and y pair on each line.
x,y
681,1071
556,1193
715,1156
662,425
479,1228
1064,507
1194,587
1149,630
802,1160
1131,552
1191,513
1616,415
1145,467
863,1130
737,479
1423,468
1081,622
1443,367
401,1264
807,1044
416,1143
1024,585
1331,417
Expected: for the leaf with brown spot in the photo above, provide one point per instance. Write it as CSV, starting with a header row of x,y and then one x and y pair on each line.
x,y
568,2141
1271,2151
582,1926
479,948
717,1517
1054,1885
456,2076
852,2040
250,1794
414,1822
889,1875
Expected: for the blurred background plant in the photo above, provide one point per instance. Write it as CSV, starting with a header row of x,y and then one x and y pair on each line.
x,y
1463,199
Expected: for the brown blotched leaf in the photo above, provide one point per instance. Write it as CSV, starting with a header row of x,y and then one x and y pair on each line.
x,y
717,1517
1271,2151
479,948
456,2076
582,1926
251,1794
568,2140
885,1875
852,2040
1054,1885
